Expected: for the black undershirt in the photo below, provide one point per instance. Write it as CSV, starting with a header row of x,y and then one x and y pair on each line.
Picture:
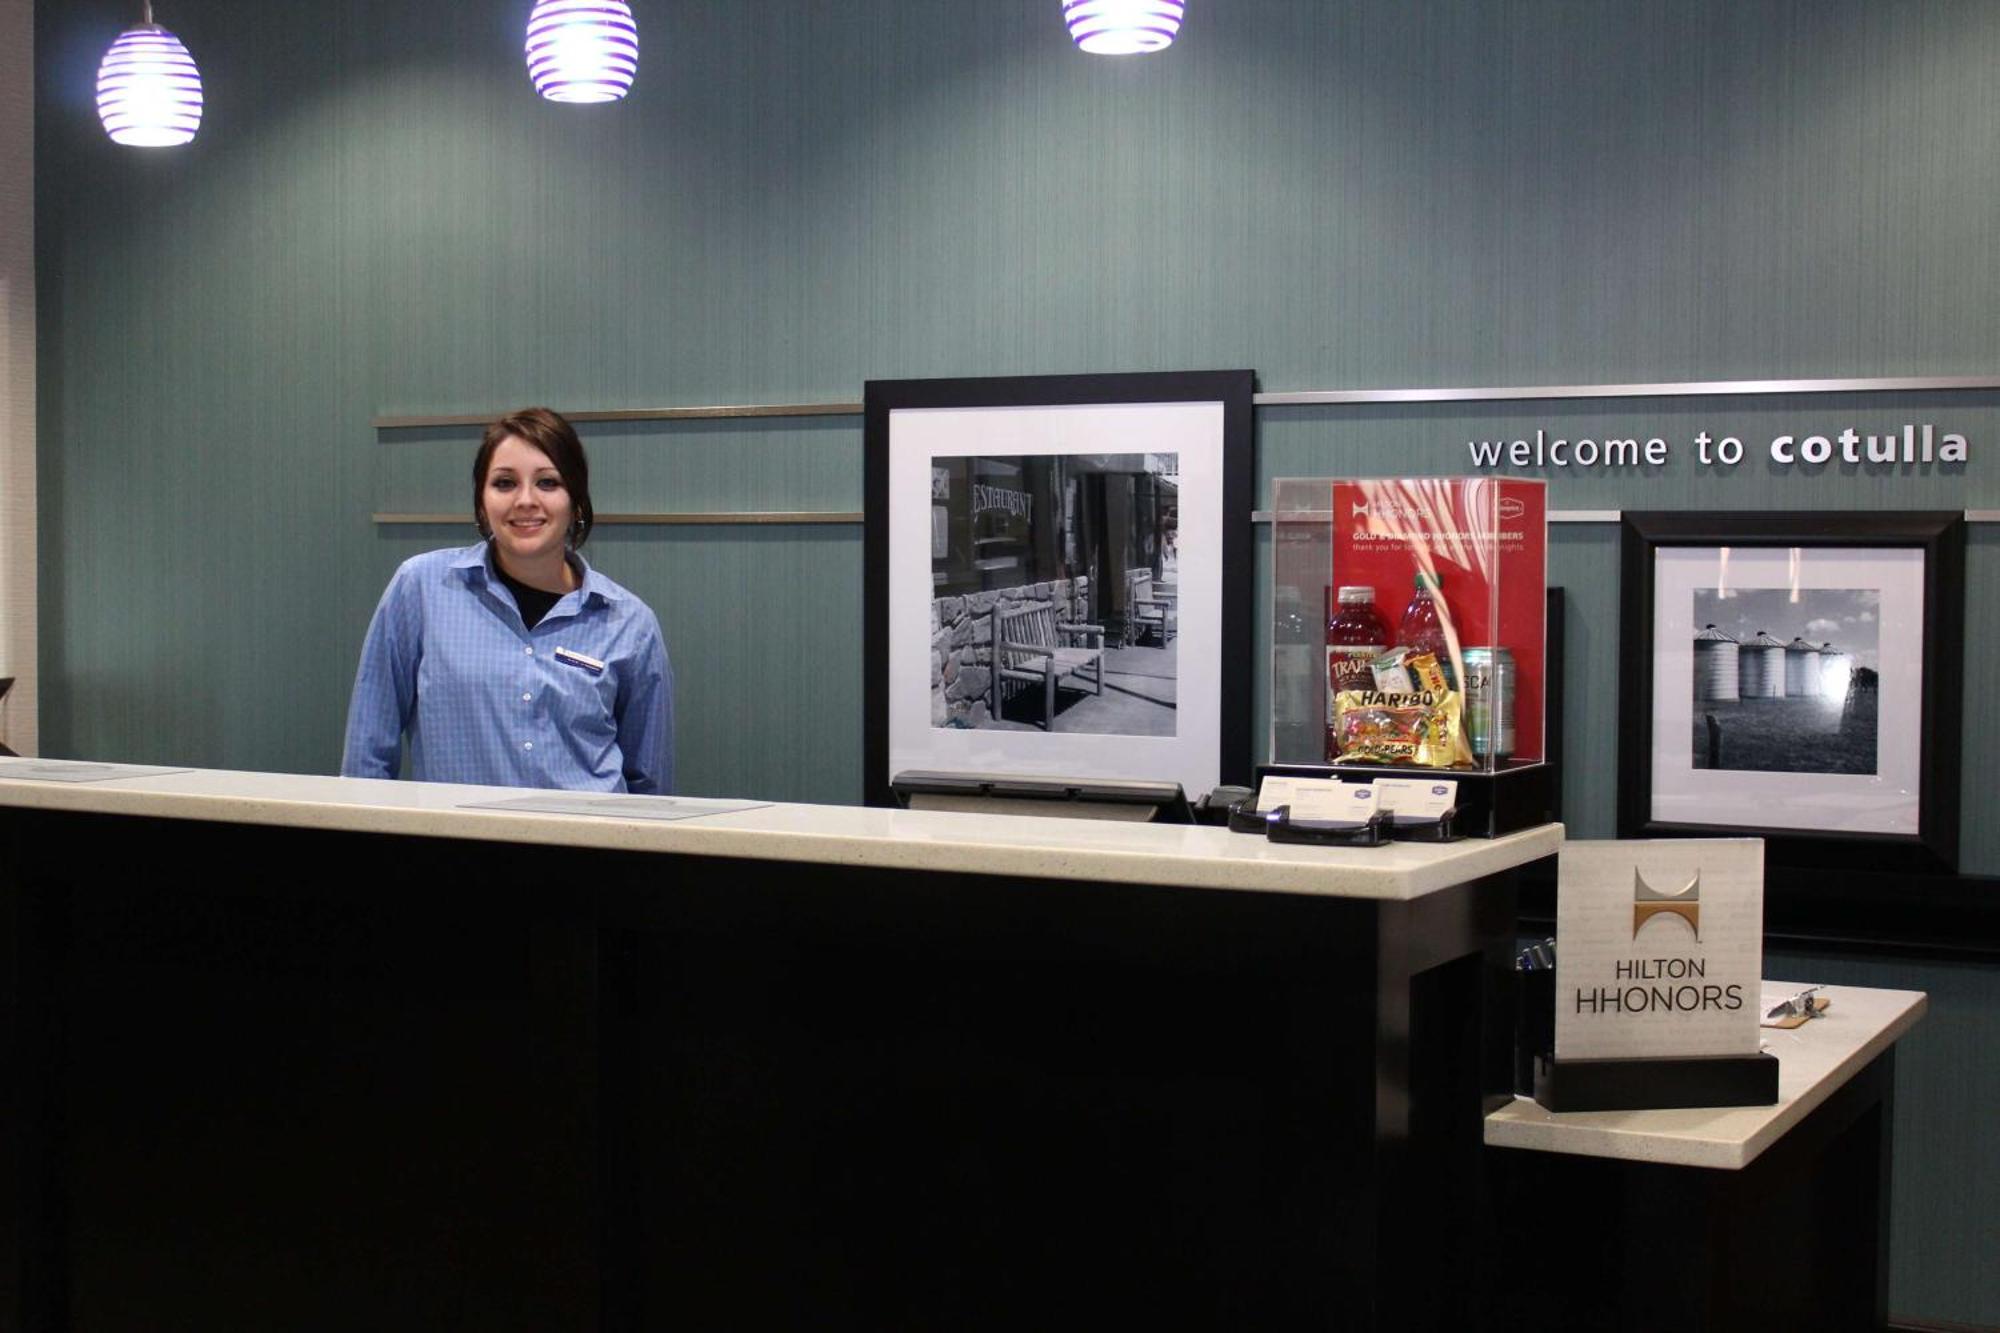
x,y
534,603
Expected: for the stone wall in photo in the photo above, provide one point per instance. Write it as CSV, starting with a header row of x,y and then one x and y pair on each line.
x,y
962,644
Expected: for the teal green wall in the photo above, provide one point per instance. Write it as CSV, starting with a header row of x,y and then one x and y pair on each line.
x,y
1944,1222
380,218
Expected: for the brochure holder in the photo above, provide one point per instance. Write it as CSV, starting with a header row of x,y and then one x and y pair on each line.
x,y
1280,827
1489,805
1442,829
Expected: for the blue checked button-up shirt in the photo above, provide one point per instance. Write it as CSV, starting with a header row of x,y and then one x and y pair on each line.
x,y
488,701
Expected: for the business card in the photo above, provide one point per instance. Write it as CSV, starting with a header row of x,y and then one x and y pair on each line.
x,y
1274,792
1415,800
1331,802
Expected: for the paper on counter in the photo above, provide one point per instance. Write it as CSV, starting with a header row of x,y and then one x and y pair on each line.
x,y
72,770
616,806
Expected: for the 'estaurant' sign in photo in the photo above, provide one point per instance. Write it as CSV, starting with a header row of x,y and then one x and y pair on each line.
x,y
1660,947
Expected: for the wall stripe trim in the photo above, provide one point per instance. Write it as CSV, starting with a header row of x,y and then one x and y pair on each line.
x,y
479,419
1599,515
733,517
1305,398
1684,389
781,516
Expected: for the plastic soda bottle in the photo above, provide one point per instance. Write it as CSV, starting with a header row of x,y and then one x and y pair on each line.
x,y
1423,624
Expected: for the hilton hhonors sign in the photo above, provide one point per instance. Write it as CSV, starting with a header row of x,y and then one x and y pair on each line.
x,y
1659,947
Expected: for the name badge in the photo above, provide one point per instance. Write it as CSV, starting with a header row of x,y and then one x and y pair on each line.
x,y
574,658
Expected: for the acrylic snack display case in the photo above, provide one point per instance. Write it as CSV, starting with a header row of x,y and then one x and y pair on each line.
x,y
1409,638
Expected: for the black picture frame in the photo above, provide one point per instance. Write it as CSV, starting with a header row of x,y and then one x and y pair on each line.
x,y
1940,536
1232,390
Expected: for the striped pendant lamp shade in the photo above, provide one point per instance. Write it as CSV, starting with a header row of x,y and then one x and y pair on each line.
x,y
148,90
582,50
1122,27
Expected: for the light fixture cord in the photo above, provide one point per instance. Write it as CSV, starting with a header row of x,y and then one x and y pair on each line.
x,y
146,12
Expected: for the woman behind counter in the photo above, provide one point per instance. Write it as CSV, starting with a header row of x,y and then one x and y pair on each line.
x,y
512,663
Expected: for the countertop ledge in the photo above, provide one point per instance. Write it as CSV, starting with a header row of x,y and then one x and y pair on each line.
x,y
1814,1060
1027,846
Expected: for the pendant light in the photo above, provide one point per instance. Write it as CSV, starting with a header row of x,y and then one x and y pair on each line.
x,y
148,90
582,50
1123,27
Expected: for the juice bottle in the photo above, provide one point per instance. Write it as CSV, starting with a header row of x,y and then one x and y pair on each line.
x,y
1356,635
1423,624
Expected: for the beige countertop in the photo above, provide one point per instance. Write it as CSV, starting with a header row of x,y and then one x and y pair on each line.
x,y
1814,1060
1030,846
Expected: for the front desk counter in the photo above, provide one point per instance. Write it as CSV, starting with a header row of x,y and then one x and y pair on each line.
x,y
1718,1219
312,1053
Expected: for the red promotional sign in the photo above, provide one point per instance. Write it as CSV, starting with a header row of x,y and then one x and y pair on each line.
x,y
1484,542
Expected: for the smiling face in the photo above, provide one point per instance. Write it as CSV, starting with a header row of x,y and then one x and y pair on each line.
x,y
527,507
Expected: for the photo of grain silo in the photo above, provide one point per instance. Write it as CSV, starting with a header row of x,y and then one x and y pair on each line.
x,y
1787,681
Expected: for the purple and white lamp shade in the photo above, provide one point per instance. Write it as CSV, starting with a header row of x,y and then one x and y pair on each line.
x,y
582,50
1123,27
148,90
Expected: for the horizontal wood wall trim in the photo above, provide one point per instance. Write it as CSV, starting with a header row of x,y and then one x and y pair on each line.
x,y
1555,515
1306,398
724,517
779,516
738,411
1671,389
1575,515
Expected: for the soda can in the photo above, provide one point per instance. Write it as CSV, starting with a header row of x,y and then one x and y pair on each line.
x,y
1489,702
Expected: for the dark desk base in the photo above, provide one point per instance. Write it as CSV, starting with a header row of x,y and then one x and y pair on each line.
x,y
1796,1240
276,1078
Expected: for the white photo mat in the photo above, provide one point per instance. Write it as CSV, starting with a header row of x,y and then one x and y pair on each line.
x,y
1887,801
1194,431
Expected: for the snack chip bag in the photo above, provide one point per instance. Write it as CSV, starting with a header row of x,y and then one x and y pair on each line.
x,y
1419,727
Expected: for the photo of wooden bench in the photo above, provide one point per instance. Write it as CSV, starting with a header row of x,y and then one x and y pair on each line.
x,y
1148,606
1031,646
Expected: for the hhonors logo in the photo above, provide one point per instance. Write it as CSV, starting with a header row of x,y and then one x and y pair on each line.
x,y
1631,985
1383,507
1676,985
1512,507
1649,902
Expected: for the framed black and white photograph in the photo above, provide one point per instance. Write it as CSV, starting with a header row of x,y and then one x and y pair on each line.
x,y
1058,577
1794,676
